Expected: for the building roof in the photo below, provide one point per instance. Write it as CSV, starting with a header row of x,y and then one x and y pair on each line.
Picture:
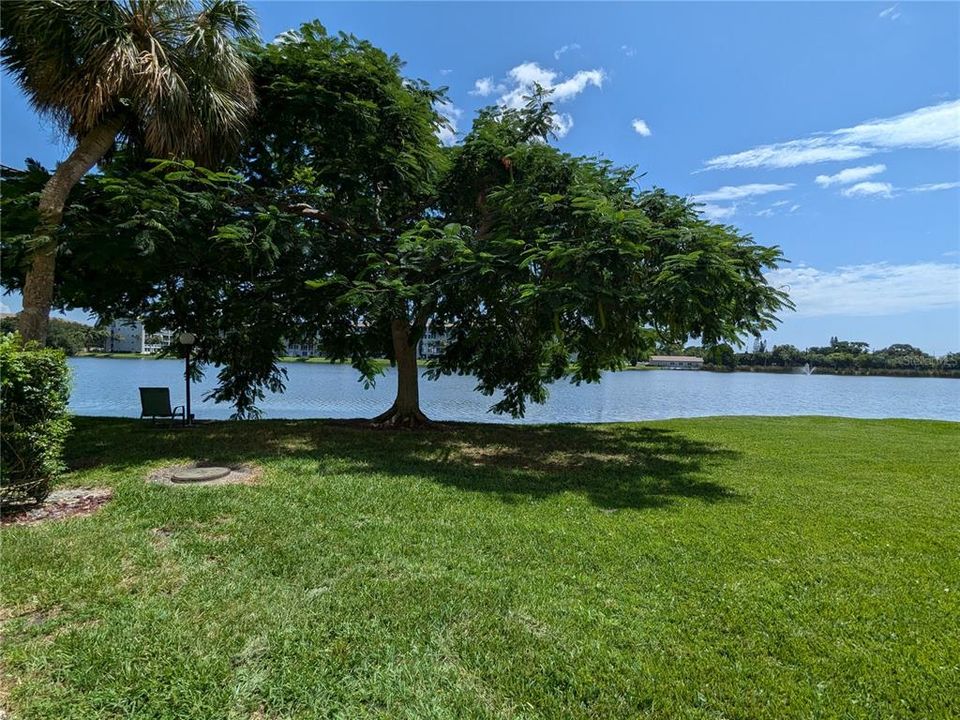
x,y
675,358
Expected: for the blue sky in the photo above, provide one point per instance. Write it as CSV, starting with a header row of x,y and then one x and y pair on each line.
x,y
832,130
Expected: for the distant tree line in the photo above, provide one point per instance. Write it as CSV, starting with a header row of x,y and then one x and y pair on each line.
x,y
71,337
842,357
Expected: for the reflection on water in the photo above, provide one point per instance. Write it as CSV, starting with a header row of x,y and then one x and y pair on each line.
x,y
103,386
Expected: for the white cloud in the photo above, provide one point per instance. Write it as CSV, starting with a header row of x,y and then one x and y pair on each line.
x,y
572,87
717,212
562,124
640,127
789,154
870,290
448,133
738,192
446,71
566,48
869,189
887,190
936,126
933,187
448,136
850,175
531,72
525,76
777,208
485,86
713,211
891,13
628,51
522,79
4,308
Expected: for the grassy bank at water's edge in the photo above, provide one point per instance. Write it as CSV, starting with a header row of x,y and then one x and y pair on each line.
x,y
721,567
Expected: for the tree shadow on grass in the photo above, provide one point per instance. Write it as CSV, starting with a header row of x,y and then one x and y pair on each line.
x,y
614,466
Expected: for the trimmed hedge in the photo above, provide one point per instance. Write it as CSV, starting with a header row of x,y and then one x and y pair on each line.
x,y
34,388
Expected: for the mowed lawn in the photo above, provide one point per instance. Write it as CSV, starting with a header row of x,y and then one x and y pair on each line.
x,y
710,568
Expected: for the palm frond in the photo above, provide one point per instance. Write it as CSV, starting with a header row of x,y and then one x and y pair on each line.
x,y
171,69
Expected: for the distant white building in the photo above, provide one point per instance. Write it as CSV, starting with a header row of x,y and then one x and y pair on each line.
x,y
433,342
127,335
301,348
676,362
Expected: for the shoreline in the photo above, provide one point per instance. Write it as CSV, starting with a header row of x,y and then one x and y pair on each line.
x,y
364,422
768,369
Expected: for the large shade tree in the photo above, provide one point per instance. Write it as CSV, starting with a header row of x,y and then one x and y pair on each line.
x,y
165,76
539,265
572,270
183,248
536,263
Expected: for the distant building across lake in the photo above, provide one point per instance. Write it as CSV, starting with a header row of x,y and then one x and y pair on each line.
x,y
129,336
434,340
676,362
301,348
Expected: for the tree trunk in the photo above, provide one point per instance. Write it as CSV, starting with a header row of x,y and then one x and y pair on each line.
x,y
405,411
38,288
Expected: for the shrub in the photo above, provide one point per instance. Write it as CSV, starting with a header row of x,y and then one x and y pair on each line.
x,y
34,387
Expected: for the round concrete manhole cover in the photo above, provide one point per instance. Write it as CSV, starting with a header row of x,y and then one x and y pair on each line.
x,y
200,474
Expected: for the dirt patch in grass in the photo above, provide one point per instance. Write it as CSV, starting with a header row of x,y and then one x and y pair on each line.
x,y
242,474
60,504
533,458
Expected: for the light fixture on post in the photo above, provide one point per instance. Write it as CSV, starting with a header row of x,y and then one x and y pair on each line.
x,y
187,339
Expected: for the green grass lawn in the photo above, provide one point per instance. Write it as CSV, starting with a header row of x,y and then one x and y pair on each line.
x,y
715,568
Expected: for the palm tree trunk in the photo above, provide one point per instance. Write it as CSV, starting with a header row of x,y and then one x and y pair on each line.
x,y
38,288
405,411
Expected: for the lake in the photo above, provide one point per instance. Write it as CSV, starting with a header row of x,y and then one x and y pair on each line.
x,y
105,386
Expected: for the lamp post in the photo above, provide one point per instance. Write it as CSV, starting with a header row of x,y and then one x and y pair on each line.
x,y
187,339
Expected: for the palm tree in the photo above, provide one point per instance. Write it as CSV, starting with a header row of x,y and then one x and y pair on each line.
x,y
166,76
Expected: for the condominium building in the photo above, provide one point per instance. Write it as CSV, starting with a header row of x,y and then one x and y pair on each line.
x,y
127,335
301,348
434,340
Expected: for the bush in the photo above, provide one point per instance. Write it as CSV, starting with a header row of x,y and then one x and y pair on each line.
x,y
34,388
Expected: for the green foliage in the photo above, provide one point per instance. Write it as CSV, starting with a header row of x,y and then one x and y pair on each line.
x,y
721,356
950,361
170,71
567,260
33,419
848,357
185,248
66,335
352,143
343,130
349,219
333,183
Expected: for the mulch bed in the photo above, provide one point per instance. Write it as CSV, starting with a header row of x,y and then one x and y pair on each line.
x,y
60,504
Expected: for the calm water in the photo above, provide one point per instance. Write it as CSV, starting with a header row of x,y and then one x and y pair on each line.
x,y
104,386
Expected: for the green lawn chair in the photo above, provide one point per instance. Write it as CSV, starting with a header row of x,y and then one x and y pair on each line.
x,y
155,403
